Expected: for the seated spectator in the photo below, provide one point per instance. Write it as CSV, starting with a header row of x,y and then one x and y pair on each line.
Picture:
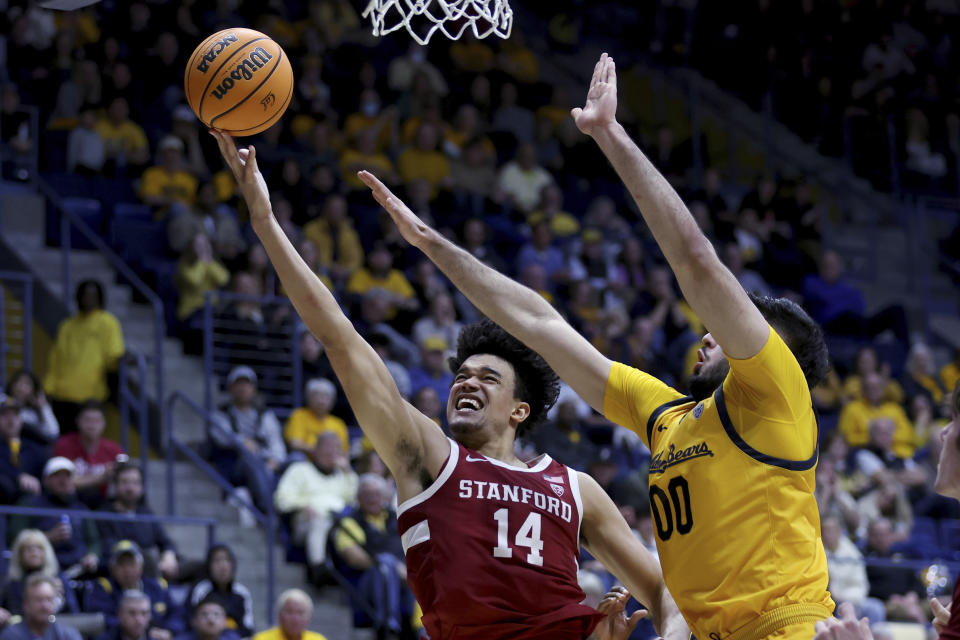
x,y
126,574
513,118
542,251
21,459
246,443
14,133
833,500
369,116
76,542
32,555
476,242
433,370
214,219
403,68
441,321
950,372
592,264
848,572
159,553
87,347
920,375
424,160
473,177
313,492
36,415
125,143
338,244
750,280
370,553
134,619
564,439
220,586
381,344
294,611
209,621
364,155
93,456
198,273
168,183
866,362
550,208
878,456
306,423
855,418
888,501
522,178
427,402
885,580
380,274
40,597
839,307
86,151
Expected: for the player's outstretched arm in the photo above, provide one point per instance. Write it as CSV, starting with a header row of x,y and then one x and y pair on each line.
x,y
709,287
608,538
408,441
521,311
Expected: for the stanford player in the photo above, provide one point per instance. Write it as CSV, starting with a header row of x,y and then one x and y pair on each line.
x,y
491,541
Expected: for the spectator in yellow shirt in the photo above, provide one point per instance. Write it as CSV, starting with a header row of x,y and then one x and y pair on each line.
x,y
950,373
855,418
423,160
167,183
86,348
294,611
562,224
370,117
380,274
124,141
338,244
866,362
306,423
365,155
197,273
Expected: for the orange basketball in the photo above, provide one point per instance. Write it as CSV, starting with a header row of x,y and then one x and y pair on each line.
x,y
239,80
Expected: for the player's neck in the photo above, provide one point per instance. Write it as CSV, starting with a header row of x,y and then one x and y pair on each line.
x,y
499,450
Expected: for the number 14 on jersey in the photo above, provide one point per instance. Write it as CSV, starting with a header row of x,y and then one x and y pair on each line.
x,y
527,536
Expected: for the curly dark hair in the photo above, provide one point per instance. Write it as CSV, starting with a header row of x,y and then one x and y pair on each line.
x,y
802,334
536,383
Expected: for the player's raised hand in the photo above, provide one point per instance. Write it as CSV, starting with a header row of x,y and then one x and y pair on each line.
x,y
616,626
411,227
600,109
243,165
846,628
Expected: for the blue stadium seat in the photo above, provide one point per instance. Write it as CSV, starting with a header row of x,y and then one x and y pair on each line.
x,y
87,209
132,211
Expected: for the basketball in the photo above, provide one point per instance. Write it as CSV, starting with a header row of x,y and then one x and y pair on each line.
x,y
239,81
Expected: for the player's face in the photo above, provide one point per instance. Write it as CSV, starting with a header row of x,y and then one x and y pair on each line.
x,y
948,468
481,396
710,370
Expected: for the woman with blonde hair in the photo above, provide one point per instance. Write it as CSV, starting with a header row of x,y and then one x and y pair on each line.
x,y
33,554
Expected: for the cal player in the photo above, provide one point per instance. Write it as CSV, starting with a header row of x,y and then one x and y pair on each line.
x,y
732,475
491,542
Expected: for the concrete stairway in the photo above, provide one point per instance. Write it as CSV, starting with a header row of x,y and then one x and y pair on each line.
x,y
22,217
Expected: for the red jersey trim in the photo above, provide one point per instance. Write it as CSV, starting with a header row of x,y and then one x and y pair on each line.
x,y
445,474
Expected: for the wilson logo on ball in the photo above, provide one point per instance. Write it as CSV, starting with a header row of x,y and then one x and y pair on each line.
x,y
214,51
244,71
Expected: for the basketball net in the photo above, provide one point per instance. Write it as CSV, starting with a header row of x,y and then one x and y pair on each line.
x,y
423,18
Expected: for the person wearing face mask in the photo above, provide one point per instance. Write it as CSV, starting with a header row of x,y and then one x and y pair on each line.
x,y
371,115
403,69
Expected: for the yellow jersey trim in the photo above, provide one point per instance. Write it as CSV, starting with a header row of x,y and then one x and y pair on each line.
x,y
771,621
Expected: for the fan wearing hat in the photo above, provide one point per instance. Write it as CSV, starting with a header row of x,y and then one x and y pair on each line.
x,y
246,445
76,543
168,182
126,573
21,459
433,371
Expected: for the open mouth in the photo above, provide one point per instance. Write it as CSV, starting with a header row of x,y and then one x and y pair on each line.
x,y
466,404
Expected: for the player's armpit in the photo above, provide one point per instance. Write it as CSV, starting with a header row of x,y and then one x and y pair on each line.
x,y
611,541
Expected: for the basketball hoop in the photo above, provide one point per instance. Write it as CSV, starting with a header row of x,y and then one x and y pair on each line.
x,y
423,18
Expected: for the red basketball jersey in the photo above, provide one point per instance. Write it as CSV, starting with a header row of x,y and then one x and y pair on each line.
x,y
493,551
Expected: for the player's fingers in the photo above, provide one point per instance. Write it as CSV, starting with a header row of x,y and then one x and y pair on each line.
x,y
865,628
250,168
612,73
634,619
847,611
370,180
596,71
228,150
940,612
576,112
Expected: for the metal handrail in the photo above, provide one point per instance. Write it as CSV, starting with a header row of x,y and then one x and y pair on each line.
x,y
26,279
127,399
68,219
173,446
6,511
209,379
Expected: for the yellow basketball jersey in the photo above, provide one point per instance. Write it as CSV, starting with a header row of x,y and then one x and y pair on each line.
x,y
731,495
